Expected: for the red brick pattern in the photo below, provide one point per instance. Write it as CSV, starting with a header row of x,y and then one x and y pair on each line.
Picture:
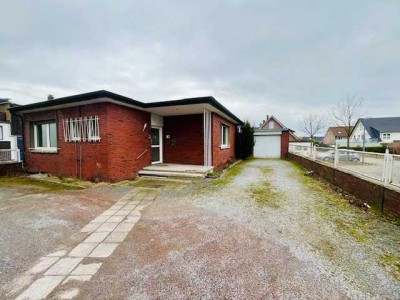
x,y
385,199
186,142
220,157
284,144
111,159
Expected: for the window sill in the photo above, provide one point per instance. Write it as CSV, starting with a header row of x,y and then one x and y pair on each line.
x,y
225,146
44,150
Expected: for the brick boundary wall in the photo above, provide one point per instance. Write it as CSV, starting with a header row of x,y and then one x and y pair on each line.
x,y
384,198
13,169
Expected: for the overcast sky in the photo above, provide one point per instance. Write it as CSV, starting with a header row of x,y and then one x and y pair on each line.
x,y
284,58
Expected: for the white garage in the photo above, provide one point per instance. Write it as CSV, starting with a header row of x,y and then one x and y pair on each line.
x,y
267,144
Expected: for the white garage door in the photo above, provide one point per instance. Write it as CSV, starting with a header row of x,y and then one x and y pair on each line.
x,y
267,146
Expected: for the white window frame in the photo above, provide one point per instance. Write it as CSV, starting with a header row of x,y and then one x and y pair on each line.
x,y
35,137
1,133
270,125
225,136
386,136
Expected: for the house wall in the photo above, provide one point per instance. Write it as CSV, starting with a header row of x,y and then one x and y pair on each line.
x,y
357,133
394,136
275,124
111,159
220,157
186,142
126,141
4,109
329,138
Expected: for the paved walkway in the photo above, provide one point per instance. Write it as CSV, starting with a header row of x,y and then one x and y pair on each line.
x,y
106,232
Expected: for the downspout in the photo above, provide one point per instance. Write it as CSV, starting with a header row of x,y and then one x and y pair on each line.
x,y
80,146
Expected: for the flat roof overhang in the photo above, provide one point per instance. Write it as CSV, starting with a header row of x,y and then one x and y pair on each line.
x,y
163,108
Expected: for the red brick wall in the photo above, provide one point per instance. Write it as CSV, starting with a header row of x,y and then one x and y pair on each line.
x,y
284,144
186,142
111,159
385,199
126,141
222,156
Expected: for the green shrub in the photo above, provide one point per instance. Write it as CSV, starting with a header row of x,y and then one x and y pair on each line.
x,y
244,144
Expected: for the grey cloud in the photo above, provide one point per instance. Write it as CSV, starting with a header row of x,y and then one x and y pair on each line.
x,y
256,57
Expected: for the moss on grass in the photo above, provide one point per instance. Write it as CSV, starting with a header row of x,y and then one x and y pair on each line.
x,y
264,194
26,181
228,176
392,263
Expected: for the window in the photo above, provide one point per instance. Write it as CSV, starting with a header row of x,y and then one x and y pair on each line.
x,y
386,136
45,135
225,140
1,132
270,125
82,129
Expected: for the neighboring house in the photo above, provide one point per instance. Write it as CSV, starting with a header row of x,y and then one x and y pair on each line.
x,y
377,131
335,135
272,139
273,123
10,131
105,136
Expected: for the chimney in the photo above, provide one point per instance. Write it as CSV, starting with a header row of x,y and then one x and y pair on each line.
x,y
267,117
50,97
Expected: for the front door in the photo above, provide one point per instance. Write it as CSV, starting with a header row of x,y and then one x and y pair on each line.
x,y
156,145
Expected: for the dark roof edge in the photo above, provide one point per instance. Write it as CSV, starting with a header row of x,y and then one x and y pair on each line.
x,y
78,98
106,94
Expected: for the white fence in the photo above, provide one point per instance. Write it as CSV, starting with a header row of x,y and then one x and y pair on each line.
x,y
9,155
384,167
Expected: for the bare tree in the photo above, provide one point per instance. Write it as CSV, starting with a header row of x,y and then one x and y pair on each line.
x,y
346,113
311,124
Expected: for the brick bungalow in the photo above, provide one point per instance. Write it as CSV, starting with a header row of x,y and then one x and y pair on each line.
x,y
106,136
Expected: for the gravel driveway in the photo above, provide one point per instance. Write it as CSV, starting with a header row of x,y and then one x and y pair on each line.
x,y
263,231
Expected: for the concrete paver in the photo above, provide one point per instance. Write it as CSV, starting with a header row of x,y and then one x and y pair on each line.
x,y
124,227
104,250
91,227
109,212
100,219
83,249
41,288
123,212
116,237
107,227
115,219
88,269
44,264
96,237
64,266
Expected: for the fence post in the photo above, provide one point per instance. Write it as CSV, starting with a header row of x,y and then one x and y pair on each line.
x,y
387,167
314,157
336,160
18,155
